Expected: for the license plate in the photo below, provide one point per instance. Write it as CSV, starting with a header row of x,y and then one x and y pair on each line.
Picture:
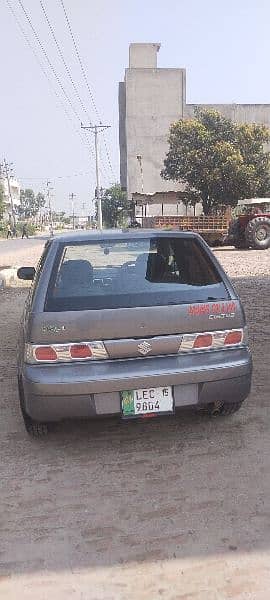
x,y
136,403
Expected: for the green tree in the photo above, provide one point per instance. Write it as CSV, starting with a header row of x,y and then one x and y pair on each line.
x,y
2,204
221,160
189,197
30,204
40,201
115,206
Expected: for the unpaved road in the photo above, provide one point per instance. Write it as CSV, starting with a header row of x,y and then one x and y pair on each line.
x,y
177,509
21,252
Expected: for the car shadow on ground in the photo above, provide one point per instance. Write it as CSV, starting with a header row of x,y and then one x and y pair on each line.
x,y
109,493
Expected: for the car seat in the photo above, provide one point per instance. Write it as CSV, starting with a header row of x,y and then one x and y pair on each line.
x,y
75,277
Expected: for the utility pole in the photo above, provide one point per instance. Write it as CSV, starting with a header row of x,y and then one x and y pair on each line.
x,y
71,197
49,207
7,176
96,129
139,159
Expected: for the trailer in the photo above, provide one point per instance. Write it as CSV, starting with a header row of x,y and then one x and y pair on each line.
x,y
213,228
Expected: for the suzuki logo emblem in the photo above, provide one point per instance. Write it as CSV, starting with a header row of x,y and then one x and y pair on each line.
x,y
144,348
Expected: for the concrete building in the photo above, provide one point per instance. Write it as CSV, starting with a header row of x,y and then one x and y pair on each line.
x,y
150,99
15,190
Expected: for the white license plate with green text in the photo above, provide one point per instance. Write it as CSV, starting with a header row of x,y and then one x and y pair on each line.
x,y
147,401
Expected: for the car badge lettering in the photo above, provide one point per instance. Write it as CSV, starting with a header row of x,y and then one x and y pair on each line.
x,y
217,310
144,348
53,328
222,316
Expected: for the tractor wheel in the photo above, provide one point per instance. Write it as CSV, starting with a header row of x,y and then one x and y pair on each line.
x,y
236,236
258,233
241,244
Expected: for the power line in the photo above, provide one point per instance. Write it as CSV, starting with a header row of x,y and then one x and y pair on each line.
x,y
79,58
90,149
60,52
107,154
82,174
52,31
48,59
85,79
85,142
32,49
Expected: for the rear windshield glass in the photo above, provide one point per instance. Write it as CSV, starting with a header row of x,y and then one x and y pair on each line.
x,y
144,272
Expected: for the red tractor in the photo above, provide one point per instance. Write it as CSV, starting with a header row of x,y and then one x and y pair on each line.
x,y
251,227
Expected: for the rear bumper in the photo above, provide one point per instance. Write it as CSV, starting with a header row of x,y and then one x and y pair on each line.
x,y
55,392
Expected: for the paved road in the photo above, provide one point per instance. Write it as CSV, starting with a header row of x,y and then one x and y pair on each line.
x,y
18,243
15,251
177,509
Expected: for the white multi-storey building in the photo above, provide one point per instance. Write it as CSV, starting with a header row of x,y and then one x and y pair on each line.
x,y
15,190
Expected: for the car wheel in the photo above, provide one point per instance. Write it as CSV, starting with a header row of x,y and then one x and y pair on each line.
x,y
258,233
224,410
33,428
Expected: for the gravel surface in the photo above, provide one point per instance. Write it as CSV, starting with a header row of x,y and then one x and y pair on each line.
x,y
176,509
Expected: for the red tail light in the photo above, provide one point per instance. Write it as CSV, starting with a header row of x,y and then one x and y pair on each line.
x,y
80,351
233,337
65,352
203,341
213,340
45,353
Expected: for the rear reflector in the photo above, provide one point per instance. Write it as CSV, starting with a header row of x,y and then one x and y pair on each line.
x,y
214,340
149,416
45,353
233,337
65,352
96,350
80,351
203,341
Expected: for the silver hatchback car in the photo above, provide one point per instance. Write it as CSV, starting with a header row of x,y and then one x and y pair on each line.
x,y
130,323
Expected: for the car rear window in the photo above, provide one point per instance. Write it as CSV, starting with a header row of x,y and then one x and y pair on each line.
x,y
138,272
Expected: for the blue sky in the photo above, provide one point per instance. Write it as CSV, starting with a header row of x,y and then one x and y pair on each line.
x,y
224,45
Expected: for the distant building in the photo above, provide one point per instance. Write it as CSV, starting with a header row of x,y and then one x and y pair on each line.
x,y
150,99
15,190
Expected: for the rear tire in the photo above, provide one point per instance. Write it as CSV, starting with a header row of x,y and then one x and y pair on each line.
x,y
236,235
34,428
224,410
241,244
258,233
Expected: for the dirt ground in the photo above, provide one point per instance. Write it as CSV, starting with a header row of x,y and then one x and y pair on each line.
x,y
177,509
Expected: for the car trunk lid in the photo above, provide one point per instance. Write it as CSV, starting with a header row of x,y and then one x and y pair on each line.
x,y
128,332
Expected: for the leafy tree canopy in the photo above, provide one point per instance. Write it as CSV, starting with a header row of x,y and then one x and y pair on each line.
x,y
115,206
30,204
221,160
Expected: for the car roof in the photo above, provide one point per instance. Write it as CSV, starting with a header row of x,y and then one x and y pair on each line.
x,y
123,234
